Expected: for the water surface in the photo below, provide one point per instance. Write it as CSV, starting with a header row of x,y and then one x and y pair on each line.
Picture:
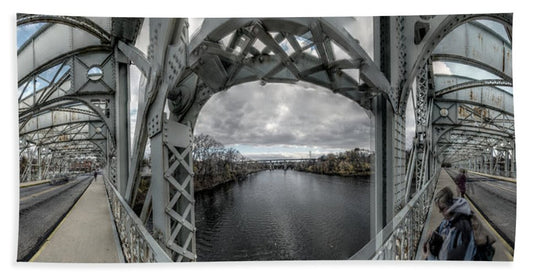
x,y
283,215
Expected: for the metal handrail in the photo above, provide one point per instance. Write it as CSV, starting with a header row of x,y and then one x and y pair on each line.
x,y
399,239
138,245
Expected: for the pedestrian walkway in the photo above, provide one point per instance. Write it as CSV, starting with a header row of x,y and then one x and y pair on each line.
x,y
503,251
86,234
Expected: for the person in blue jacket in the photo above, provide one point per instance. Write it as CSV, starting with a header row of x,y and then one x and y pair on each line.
x,y
454,238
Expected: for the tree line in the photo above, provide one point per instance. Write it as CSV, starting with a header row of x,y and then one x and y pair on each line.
x,y
215,164
354,162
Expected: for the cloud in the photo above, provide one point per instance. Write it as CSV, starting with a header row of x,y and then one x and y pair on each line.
x,y
441,68
285,115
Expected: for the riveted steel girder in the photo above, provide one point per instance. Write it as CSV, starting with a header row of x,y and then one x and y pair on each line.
x,y
445,84
56,42
226,52
473,42
438,27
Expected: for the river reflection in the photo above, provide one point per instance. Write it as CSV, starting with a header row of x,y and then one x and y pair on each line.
x,y
283,215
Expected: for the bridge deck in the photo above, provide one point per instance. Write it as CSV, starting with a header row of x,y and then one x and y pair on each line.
x,y
86,234
503,251
33,183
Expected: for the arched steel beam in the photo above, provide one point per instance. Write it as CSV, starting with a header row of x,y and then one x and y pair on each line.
x,y
480,127
470,129
445,148
429,43
472,62
58,125
78,22
58,102
473,84
478,104
222,68
72,141
46,92
61,58
465,138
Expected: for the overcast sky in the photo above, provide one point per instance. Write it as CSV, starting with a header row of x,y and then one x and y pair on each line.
x,y
281,120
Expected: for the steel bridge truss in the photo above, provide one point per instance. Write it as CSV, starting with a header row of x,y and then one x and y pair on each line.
x,y
73,105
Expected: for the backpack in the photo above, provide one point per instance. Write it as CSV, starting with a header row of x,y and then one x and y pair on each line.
x,y
480,247
483,240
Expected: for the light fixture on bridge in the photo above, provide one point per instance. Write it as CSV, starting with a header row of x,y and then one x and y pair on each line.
x,y
95,73
98,130
443,112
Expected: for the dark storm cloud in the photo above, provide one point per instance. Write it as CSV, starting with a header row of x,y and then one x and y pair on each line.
x,y
279,114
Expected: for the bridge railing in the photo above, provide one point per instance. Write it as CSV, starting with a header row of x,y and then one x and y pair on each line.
x,y
138,245
400,238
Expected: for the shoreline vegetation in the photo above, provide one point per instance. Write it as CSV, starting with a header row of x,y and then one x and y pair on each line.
x,y
216,165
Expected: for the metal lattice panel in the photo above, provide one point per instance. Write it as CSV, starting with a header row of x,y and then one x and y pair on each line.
x,y
233,51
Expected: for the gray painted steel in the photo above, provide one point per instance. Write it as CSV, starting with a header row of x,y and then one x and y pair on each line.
x,y
74,105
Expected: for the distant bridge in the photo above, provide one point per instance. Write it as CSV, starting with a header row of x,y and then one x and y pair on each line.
x,y
285,164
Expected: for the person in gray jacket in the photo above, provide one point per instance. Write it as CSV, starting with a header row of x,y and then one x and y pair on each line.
x,y
454,238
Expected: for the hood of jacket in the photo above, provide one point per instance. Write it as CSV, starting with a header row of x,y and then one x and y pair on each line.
x,y
459,207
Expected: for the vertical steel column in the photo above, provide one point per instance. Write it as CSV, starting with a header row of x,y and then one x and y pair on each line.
x,y
491,162
39,161
506,164
160,193
382,193
122,122
108,157
486,163
171,144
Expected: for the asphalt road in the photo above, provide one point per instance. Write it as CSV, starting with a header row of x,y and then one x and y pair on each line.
x,y
496,199
41,208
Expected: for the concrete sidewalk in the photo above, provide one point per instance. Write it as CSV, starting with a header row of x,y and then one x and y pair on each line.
x,y
503,251
86,234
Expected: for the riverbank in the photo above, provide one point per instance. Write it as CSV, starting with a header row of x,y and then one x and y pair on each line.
x,y
234,178
344,174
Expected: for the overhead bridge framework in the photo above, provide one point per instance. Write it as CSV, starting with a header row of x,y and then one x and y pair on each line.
x,y
74,93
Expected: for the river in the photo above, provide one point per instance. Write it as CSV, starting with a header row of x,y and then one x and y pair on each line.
x,y
283,215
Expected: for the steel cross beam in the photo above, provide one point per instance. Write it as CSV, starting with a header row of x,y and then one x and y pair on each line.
x,y
284,50
74,21
438,27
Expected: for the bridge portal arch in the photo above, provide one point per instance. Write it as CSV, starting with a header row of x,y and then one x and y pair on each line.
x,y
224,53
